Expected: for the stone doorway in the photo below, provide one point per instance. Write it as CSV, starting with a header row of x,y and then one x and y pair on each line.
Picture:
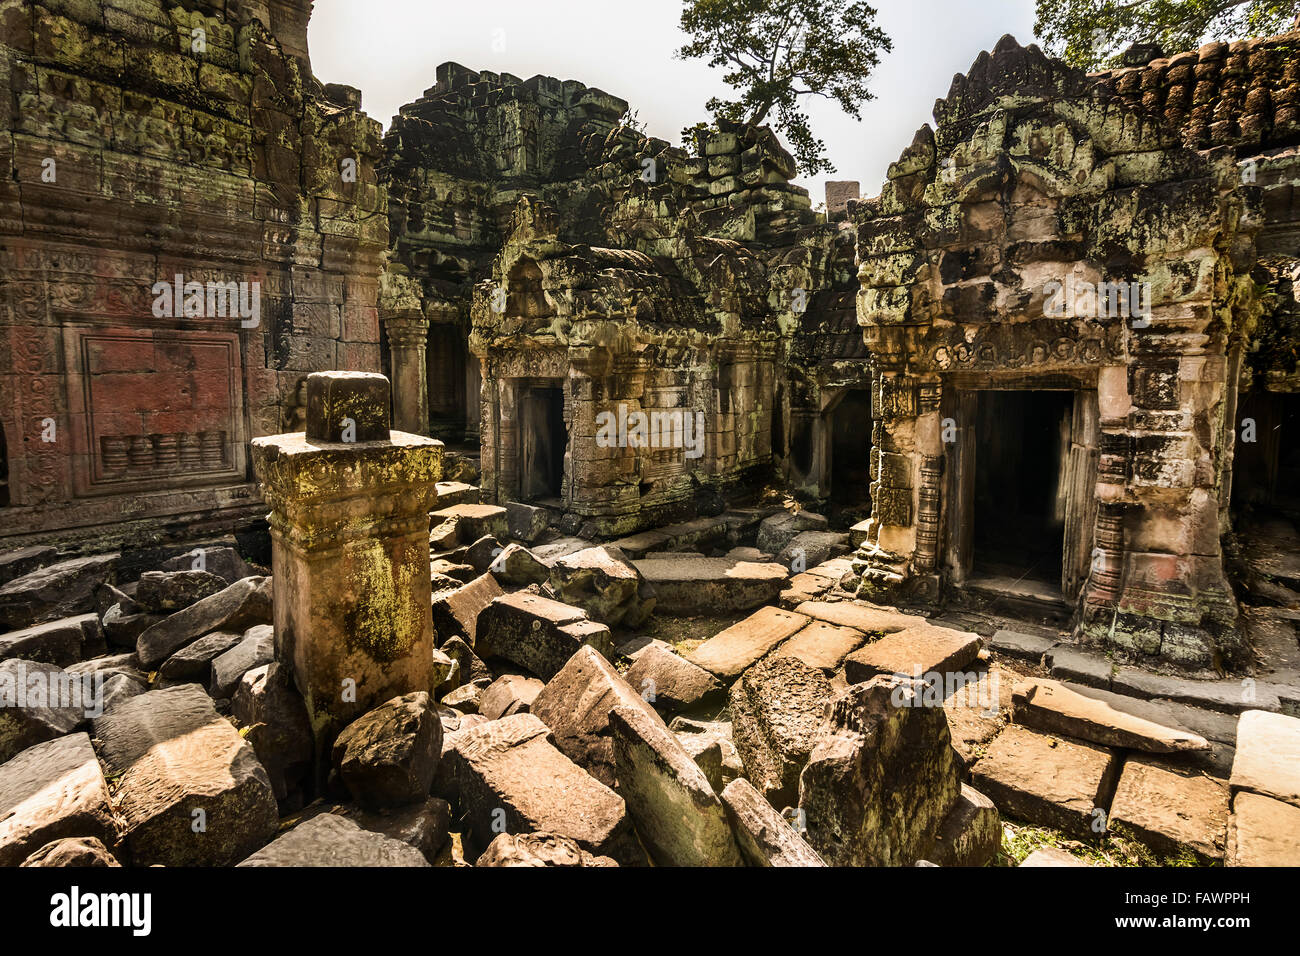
x,y
544,438
849,424
1266,471
1023,492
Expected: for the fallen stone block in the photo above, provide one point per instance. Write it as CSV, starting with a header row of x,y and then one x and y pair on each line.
x,y
456,493
49,792
867,618
762,834
221,560
507,695
1025,647
519,566
537,634
707,754
970,834
1048,781
821,645
1267,761
16,562
712,732
538,849
54,642
483,553
1263,832
1081,667
166,592
465,698
1053,708
193,662
526,523
469,666
73,851
455,613
776,531
712,585
331,840
1051,856
388,756
672,683
237,608
605,584
742,645
512,779
123,628
424,825
678,816
58,590
255,648
1227,696
176,765
274,719
558,548
882,776
1173,811
917,651
808,549
576,703
473,521
39,702
777,708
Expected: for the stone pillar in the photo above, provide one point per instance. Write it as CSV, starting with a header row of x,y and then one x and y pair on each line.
x,y
350,504
408,339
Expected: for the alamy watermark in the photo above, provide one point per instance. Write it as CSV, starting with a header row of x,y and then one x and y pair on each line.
x,y
55,689
179,299
968,689
657,428
1078,298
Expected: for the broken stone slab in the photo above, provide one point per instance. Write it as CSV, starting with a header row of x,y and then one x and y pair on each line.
x,y
473,521
1051,707
39,702
52,791
16,562
742,645
193,663
1052,856
776,714
1025,647
424,825
537,634
328,839
471,668
54,642
576,703
388,756
455,613
122,629
538,849
821,645
526,523
763,835
446,674
175,763
712,732
1263,832
1226,696
882,776
1172,810
712,585
707,754
558,548
456,493
512,779
73,851
672,683
483,553
58,590
605,584
634,647
240,606
867,618
859,532
678,816
221,560
120,687
977,705
509,694
519,566
255,648
776,531
970,834
1267,761
1081,667
917,651
1049,781
274,720
465,698
808,549
443,537
166,592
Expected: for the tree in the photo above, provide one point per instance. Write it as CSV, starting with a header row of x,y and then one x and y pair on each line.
x,y
1091,33
779,51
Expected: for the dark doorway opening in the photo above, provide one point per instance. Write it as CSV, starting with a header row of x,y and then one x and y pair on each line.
x,y
446,359
1022,443
544,440
1266,459
850,426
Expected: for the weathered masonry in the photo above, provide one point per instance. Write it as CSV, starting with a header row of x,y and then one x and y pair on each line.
x,y
190,224
1061,297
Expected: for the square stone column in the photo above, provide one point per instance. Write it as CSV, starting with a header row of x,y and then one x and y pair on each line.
x,y
350,504
408,338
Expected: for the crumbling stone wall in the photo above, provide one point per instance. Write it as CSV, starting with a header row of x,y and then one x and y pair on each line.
x,y
1036,174
141,141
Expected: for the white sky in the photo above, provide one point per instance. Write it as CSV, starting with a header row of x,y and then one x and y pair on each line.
x,y
389,49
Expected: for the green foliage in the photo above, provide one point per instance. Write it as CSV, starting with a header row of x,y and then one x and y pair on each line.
x,y
1092,33
778,51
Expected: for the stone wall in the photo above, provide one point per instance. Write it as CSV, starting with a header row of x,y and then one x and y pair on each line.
x,y
143,141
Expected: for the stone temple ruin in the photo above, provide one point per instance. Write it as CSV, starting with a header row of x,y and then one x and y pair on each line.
x,y
514,488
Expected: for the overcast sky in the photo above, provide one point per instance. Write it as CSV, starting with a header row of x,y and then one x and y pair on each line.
x,y
389,49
